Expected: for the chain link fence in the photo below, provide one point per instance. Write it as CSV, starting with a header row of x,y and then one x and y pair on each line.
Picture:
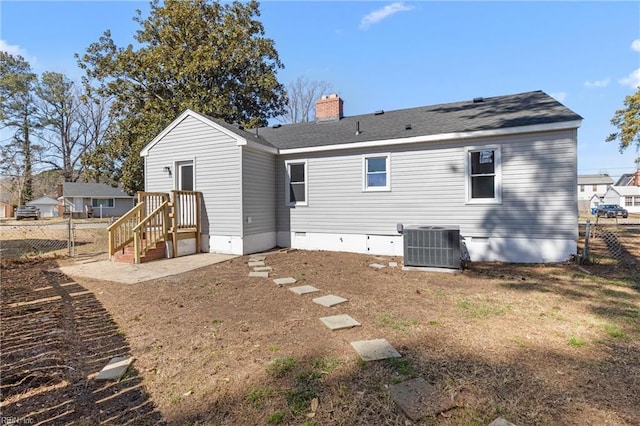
x,y
57,237
610,243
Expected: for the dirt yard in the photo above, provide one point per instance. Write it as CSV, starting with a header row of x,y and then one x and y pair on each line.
x,y
537,345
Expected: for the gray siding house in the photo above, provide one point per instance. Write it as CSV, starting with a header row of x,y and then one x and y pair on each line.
x,y
102,200
344,183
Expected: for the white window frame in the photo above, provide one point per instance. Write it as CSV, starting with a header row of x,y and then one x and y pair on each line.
x,y
103,198
177,168
497,173
365,186
287,182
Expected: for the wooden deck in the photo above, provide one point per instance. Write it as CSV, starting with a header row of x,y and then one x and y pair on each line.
x,y
158,218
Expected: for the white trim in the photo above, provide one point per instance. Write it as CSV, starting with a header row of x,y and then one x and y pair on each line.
x,y
387,187
176,171
189,113
287,182
497,174
439,137
242,194
260,147
383,245
520,250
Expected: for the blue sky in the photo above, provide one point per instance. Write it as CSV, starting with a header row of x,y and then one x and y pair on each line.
x,y
392,55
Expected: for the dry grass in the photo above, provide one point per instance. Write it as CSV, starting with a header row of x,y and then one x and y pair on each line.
x,y
555,344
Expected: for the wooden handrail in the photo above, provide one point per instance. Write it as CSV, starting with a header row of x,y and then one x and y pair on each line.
x,y
121,231
152,229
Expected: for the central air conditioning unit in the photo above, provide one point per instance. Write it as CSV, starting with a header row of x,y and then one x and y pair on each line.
x,y
432,246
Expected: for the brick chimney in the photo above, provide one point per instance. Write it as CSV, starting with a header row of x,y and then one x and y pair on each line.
x,y
637,177
329,108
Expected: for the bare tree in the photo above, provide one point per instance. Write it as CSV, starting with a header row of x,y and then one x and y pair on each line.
x,y
303,94
71,124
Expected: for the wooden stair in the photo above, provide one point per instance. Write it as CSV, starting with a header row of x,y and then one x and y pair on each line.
x,y
127,255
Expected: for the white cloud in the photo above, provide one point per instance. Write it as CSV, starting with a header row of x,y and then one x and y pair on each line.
x,y
380,14
632,80
598,83
12,49
635,45
559,96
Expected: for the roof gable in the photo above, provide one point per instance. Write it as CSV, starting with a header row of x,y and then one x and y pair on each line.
x,y
241,136
92,190
626,190
43,200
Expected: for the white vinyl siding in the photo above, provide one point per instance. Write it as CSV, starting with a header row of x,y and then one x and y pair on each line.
x,y
217,172
429,188
259,192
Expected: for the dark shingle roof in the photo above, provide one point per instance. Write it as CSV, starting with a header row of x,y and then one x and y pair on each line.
x,y
75,189
600,179
498,112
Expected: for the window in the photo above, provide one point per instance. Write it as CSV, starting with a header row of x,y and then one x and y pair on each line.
x,y
377,175
581,188
628,201
102,202
594,188
483,170
296,183
637,201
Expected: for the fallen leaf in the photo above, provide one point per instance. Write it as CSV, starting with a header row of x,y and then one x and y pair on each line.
x,y
314,405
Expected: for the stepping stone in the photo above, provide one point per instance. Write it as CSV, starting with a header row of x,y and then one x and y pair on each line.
x,y
259,274
373,350
256,263
115,369
417,399
303,289
338,322
283,281
377,266
257,258
329,300
393,264
262,268
501,421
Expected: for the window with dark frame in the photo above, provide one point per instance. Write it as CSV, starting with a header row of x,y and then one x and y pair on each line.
x,y
297,193
483,174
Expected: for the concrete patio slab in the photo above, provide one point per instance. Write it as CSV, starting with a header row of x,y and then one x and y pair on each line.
x,y
377,266
283,281
393,264
127,273
373,350
329,300
417,399
338,322
256,263
262,268
303,289
115,369
259,274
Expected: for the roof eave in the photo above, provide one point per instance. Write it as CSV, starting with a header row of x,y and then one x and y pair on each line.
x,y
564,125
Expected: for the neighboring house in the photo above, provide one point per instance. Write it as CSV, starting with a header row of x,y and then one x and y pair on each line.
x,y
48,206
103,200
6,208
589,185
629,179
345,183
625,196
